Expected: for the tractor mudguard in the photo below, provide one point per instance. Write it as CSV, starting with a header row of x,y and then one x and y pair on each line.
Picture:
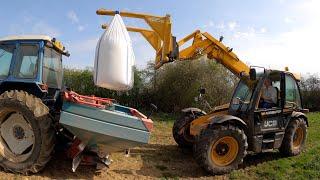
x,y
296,114
193,110
226,118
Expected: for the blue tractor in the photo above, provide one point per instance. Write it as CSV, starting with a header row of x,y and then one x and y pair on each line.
x,y
30,86
34,111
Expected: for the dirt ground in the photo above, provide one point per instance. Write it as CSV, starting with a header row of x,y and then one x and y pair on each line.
x,y
160,159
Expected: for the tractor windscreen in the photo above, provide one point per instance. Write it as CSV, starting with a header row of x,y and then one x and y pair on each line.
x,y
6,54
52,68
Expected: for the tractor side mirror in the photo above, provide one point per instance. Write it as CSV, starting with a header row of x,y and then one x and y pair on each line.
x,y
253,74
202,91
67,54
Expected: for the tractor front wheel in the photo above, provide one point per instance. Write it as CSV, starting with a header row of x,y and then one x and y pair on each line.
x,y
26,133
220,149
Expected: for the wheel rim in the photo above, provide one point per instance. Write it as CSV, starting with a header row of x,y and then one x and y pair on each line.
x,y
224,151
298,138
16,137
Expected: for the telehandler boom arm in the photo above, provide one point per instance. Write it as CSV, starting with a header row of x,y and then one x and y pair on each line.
x,y
168,49
205,44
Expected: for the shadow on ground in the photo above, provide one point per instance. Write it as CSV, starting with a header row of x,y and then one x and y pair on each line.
x,y
255,159
60,168
169,161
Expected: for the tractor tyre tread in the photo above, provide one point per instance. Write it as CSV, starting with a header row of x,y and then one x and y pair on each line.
x,y
202,147
40,113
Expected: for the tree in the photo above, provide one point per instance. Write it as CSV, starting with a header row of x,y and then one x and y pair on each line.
x,y
175,85
310,89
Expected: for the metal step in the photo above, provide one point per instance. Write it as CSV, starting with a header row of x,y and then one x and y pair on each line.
x,y
267,150
267,140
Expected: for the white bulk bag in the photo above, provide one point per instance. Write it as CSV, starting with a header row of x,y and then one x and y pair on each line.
x,y
114,58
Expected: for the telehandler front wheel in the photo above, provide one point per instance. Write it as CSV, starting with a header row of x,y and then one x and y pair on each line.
x,y
220,149
180,131
26,133
294,137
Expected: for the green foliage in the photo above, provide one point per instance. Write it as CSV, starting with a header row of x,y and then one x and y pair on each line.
x,y
175,85
81,81
310,89
171,88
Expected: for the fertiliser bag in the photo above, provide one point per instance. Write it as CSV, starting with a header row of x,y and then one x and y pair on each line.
x,y
114,58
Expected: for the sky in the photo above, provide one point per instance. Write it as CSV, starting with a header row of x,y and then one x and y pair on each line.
x,y
269,33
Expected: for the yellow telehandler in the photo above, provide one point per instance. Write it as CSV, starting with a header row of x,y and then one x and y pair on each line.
x,y
221,138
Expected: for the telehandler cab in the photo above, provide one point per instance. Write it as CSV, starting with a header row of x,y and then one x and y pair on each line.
x,y
222,137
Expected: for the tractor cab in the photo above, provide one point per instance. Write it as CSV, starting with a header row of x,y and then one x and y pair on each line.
x,y
32,63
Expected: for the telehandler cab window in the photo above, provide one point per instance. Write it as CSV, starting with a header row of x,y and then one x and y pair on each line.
x,y
6,52
52,68
293,99
241,97
27,60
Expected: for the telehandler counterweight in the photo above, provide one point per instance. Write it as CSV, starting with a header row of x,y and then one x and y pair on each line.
x,y
222,137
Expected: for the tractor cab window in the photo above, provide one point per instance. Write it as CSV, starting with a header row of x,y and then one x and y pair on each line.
x,y
52,68
293,99
241,98
27,62
6,52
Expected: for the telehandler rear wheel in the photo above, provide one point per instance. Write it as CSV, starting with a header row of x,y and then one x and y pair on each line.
x,y
180,131
26,133
220,149
294,137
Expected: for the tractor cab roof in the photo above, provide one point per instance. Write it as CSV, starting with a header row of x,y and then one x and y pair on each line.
x,y
25,37
52,41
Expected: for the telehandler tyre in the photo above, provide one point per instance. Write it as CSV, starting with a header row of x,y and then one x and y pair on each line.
x,y
181,132
220,149
294,137
26,133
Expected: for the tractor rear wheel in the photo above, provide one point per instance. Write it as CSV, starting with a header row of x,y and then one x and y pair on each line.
x,y
26,133
181,131
220,149
294,137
